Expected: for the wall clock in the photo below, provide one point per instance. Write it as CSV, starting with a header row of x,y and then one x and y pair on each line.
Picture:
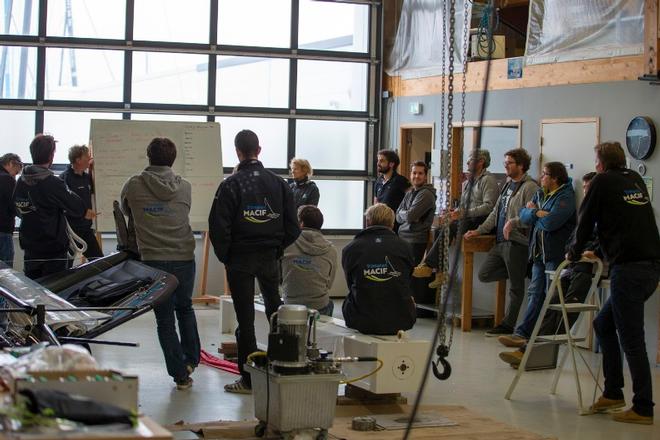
x,y
640,137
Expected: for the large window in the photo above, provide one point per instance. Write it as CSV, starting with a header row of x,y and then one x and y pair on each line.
x,y
303,74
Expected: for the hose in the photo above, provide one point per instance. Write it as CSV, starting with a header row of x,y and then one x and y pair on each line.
x,y
364,376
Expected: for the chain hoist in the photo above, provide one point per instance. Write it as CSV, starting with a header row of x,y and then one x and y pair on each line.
x,y
442,350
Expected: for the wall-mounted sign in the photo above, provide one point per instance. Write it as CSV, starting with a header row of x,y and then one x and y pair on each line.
x,y
514,68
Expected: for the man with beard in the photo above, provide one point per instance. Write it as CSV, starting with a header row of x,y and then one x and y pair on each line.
x,y
390,186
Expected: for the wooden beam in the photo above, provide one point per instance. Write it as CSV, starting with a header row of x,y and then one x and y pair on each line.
x,y
651,38
540,75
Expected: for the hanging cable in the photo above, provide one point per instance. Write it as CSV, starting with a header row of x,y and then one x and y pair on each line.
x,y
461,231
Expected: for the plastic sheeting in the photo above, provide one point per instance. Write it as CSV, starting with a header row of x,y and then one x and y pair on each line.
x,y
417,50
568,30
78,322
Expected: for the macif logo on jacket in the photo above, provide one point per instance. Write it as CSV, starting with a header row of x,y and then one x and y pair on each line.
x,y
635,197
258,213
380,272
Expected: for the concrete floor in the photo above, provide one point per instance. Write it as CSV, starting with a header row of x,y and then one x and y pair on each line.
x,y
479,382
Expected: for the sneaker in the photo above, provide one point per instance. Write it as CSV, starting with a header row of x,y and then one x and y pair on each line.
x,y
603,404
512,341
630,416
190,369
513,358
422,271
499,330
440,279
238,387
184,384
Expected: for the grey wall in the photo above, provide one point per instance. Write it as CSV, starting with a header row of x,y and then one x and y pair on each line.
x,y
615,103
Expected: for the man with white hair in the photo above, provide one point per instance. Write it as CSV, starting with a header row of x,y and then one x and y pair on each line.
x,y
378,265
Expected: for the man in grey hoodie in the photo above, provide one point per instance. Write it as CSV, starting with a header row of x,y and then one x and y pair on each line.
x,y
508,258
415,215
158,201
309,265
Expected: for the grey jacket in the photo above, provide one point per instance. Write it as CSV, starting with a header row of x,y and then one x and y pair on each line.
x,y
415,214
518,200
484,195
308,270
159,202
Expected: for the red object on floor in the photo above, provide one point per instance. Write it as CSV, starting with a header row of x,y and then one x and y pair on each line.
x,y
207,358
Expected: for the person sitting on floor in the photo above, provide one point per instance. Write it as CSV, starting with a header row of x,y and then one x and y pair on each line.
x,y
378,266
309,265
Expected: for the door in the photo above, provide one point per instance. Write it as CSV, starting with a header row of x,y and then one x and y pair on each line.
x,y
571,142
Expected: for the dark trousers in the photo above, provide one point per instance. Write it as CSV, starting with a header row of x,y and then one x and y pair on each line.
x,y
631,284
37,265
435,255
178,353
420,289
241,273
7,248
507,260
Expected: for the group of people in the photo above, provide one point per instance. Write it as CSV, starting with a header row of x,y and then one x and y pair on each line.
x,y
264,229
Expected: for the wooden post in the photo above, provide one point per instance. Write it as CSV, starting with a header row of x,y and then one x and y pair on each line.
x,y
651,38
203,297
466,292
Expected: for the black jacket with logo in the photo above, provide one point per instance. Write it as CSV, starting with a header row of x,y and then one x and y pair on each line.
x,y
305,192
378,266
619,203
82,185
7,210
252,211
42,200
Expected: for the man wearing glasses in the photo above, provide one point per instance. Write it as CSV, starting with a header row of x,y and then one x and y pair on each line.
x,y
508,258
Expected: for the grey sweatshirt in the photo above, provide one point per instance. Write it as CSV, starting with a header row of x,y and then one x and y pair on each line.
x,y
308,270
524,194
159,202
484,195
415,214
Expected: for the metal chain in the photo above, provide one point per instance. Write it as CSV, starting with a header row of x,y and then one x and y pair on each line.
x,y
465,63
450,116
444,66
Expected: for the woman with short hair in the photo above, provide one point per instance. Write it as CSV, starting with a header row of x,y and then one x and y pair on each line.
x,y
305,192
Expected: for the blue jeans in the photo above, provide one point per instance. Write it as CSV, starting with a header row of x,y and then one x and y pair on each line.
x,y
535,298
631,284
178,353
7,248
242,270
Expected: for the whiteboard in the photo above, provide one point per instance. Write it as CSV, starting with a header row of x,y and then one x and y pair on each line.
x,y
119,148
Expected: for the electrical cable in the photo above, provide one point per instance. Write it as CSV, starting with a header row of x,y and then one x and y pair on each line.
x,y
461,231
364,376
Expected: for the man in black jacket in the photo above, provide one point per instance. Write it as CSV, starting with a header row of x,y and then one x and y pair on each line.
x,y
252,220
619,203
10,166
390,187
79,181
42,200
378,265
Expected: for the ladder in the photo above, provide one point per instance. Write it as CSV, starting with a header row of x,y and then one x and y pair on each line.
x,y
569,338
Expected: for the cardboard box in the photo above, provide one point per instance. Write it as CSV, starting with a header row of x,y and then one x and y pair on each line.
x,y
102,385
480,51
